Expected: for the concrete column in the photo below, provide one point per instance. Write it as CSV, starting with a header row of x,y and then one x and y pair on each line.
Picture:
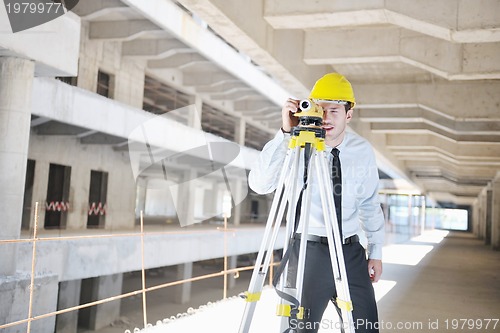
x,y
141,189
194,116
477,205
422,215
214,198
495,212
183,291
79,198
433,215
69,296
231,264
475,217
488,216
239,137
482,214
14,300
40,191
385,209
129,82
186,198
488,225
210,201
105,314
410,214
239,132
100,316
16,78
236,215
121,209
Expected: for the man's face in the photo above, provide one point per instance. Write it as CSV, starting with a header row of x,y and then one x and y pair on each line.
x,y
335,120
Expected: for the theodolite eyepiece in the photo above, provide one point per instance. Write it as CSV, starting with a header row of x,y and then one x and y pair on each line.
x,y
310,114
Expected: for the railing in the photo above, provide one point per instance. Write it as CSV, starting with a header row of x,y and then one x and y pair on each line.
x,y
35,239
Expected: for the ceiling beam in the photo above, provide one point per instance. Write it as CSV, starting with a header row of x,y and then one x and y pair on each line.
x,y
121,30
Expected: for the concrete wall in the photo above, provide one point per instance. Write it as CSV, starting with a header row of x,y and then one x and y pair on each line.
x,y
128,74
91,257
15,296
98,317
69,296
82,159
62,265
54,46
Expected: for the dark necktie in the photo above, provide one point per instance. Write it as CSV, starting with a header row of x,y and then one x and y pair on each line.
x,y
337,187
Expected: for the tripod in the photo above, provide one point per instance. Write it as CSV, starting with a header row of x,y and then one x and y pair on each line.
x,y
307,142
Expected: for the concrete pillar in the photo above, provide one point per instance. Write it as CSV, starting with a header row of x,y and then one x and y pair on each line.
x,y
183,291
386,209
209,201
79,197
212,199
410,214
231,264
482,214
40,191
141,189
129,82
488,216
495,212
69,296
14,302
236,215
186,198
475,217
16,78
433,224
100,316
479,216
240,131
105,314
423,215
194,116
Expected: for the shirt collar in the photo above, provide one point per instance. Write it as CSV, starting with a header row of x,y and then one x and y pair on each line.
x,y
342,144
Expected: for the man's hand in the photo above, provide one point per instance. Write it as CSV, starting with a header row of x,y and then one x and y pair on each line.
x,y
374,269
289,121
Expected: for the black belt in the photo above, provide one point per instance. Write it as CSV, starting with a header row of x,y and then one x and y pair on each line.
x,y
324,240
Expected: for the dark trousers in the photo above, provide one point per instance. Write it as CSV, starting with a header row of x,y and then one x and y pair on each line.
x,y
319,286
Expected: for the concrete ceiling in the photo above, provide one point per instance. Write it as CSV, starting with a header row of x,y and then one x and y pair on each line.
x,y
426,74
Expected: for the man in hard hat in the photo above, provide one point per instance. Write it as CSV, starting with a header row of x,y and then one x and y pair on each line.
x,y
357,207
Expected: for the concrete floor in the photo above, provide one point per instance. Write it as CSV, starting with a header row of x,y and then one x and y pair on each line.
x,y
434,286
458,280
162,304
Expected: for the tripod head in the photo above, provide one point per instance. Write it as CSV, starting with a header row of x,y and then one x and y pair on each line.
x,y
309,129
310,114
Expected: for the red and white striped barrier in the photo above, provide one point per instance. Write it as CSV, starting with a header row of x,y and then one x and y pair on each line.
x,y
56,206
97,208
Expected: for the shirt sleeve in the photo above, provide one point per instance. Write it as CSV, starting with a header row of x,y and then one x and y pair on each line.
x,y
370,212
264,175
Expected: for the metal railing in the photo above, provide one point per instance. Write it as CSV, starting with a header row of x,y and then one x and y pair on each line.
x,y
35,239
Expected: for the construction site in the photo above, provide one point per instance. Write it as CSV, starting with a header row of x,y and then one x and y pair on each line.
x,y
128,129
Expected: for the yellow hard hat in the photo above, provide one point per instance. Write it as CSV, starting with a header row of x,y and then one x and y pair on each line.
x,y
333,87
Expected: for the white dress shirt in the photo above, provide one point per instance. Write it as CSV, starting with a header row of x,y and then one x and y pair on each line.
x,y
360,204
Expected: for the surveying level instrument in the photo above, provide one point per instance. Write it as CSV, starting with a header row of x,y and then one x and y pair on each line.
x,y
306,144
